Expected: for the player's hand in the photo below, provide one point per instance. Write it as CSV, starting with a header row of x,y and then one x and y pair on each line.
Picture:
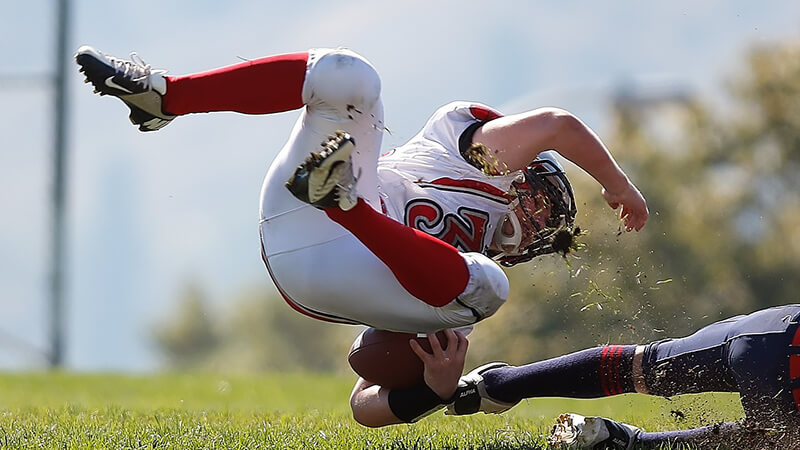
x,y
443,367
634,210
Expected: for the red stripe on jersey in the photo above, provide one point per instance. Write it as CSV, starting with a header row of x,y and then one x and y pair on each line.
x,y
483,113
473,185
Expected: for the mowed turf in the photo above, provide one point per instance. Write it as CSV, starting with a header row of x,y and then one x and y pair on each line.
x,y
60,410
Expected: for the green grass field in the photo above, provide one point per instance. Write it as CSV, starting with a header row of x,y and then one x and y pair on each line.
x,y
59,410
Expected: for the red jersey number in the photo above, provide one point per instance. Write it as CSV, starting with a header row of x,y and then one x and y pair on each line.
x,y
463,230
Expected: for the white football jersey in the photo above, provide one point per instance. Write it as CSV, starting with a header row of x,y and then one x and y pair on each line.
x,y
428,185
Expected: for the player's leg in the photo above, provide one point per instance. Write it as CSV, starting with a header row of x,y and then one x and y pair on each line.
x,y
764,356
341,91
746,354
691,364
261,86
666,368
591,373
703,437
428,268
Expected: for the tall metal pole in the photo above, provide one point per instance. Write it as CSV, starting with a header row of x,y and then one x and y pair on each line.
x,y
57,257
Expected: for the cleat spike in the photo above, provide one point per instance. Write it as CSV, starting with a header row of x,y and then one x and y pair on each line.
x,y
325,179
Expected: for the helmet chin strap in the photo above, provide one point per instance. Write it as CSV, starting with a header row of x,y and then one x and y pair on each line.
x,y
509,244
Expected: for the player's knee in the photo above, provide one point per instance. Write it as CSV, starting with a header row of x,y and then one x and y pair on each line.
x,y
341,79
487,288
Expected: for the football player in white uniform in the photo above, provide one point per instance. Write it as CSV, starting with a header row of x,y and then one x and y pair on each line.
x,y
406,242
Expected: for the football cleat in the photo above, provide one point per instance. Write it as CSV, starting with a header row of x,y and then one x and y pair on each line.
x,y
471,396
325,179
596,433
134,82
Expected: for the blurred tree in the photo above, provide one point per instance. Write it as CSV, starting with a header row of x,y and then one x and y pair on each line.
x,y
187,338
259,333
264,333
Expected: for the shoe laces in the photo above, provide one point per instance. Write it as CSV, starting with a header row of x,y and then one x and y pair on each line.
x,y
135,69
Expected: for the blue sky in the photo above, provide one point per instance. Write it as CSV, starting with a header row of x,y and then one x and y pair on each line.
x,y
150,212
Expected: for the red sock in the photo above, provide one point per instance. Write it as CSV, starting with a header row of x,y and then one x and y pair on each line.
x,y
429,269
262,86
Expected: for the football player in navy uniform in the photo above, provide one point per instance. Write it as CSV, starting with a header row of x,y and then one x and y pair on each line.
x,y
756,355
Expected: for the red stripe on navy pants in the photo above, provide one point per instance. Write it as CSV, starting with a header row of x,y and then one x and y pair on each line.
x,y
794,368
429,269
261,86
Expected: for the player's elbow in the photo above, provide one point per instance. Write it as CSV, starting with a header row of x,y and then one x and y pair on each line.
x,y
366,412
367,420
366,417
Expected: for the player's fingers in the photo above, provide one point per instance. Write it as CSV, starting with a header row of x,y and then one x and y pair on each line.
x,y
641,219
625,214
436,347
418,350
452,341
463,343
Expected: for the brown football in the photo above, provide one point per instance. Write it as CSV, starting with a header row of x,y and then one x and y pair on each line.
x,y
386,358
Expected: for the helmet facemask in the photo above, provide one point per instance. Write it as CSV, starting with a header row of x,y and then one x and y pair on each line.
x,y
544,184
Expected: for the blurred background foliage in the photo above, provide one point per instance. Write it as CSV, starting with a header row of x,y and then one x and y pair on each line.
x,y
722,185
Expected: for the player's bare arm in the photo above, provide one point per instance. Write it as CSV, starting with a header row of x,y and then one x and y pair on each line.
x,y
371,403
516,140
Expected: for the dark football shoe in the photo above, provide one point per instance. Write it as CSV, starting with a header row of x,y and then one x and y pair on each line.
x,y
132,81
